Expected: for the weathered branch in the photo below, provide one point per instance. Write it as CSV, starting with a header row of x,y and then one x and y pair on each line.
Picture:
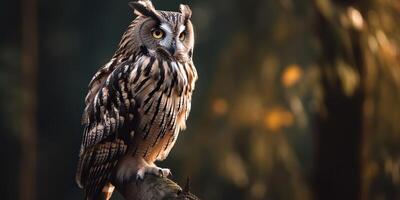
x,y
153,187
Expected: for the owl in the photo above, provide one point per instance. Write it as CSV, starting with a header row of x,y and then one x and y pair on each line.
x,y
138,102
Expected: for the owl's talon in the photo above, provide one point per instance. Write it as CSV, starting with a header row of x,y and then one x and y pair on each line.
x,y
165,172
140,174
160,173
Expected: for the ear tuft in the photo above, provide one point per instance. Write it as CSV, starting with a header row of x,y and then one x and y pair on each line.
x,y
185,11
144,8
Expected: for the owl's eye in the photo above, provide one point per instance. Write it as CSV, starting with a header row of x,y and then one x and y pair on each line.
x,y
182,36
157,33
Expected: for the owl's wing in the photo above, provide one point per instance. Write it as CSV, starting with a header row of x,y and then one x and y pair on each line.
x,y
95,84
110,110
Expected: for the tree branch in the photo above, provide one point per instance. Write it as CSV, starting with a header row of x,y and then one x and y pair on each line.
x,y
154,187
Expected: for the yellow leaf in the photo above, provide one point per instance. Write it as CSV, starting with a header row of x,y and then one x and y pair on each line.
x,y
291,75
219,106
278,119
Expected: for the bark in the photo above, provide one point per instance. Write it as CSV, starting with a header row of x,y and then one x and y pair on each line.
x,y
154,187
339,122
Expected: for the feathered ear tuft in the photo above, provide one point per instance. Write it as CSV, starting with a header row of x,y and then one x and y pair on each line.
x,y
144,8
185,11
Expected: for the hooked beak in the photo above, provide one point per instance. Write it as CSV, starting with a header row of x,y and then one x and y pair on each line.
x,y
172,48
173,52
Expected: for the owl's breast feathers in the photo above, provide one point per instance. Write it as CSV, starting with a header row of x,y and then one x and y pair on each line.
x,y
134,107
163,90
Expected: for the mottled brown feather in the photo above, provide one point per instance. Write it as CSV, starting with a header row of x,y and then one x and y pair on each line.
x,y
136,106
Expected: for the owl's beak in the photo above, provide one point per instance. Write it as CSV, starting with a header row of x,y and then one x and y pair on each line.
x,y
172,48
170,51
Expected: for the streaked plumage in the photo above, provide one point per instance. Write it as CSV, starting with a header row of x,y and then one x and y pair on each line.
x,y
139,101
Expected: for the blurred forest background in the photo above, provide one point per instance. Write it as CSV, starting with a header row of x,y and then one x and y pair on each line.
x,y
297,99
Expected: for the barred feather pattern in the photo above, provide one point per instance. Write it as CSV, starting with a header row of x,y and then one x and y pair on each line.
x,y
135,107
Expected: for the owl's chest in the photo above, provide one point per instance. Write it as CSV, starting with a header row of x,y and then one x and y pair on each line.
x,y
163,90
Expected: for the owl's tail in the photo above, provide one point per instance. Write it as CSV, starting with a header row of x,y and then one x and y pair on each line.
x,y
105,194
107,191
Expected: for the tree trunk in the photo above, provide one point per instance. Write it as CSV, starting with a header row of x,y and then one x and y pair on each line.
x,y
28,115
339,121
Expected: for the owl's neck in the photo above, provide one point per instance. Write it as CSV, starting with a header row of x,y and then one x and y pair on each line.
x,y
182,75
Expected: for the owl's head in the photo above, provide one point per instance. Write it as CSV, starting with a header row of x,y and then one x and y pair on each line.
x,y
163,33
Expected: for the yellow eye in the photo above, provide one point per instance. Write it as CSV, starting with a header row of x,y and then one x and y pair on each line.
x,y
157,33
182,36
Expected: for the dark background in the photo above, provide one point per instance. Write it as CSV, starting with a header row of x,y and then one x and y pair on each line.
x,y
296,99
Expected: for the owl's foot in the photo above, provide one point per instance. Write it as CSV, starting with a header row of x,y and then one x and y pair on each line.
x,y
130,168
158,171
